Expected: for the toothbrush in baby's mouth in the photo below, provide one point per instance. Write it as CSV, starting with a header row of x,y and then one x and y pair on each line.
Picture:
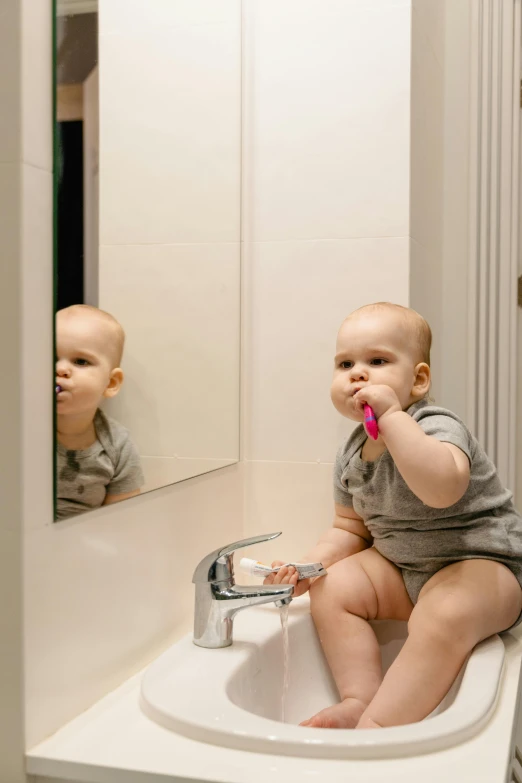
x,y
58,389
370,422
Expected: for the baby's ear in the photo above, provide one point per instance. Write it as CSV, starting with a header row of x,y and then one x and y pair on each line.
x,y
422,381
115,382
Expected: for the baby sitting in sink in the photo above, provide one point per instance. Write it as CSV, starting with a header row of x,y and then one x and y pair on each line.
x,y
423,531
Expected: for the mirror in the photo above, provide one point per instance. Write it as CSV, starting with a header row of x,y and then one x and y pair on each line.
x,y
147,242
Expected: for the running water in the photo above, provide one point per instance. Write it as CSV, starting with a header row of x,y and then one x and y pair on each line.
x,y
284,625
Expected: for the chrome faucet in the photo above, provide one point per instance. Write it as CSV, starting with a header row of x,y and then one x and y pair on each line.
x,y
218,598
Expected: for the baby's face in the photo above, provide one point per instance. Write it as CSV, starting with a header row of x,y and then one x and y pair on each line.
x,y
372,348
84,365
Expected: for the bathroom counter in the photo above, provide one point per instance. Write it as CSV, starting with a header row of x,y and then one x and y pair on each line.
x,y
113,742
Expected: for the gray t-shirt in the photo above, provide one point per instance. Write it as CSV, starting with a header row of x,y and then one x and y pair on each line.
x,y
111,466
483,523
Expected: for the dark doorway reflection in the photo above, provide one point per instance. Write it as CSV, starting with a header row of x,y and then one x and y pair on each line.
x,y
70,214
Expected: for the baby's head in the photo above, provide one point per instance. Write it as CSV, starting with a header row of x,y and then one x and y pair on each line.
x,y
89,347
381,343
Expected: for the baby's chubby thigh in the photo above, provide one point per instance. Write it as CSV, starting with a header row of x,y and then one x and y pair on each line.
x,y
466,602
365,584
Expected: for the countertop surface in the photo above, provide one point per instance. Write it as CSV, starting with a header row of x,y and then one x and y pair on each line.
x,y
114,742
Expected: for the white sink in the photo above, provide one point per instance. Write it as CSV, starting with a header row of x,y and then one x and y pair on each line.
x,y
232,696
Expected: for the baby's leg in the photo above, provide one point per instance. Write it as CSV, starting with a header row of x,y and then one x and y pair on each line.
x,y
458,607
362,587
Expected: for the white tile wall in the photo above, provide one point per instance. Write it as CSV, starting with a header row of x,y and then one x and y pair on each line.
x,y
162,471
166,77
26,230
11,659
10,229
292,497
426,292
325,229
328,113
458,125
170,153
11,472
427,118
37,348
36,84
431,29
108,591
104,593
299,293
180,308
440,117
165,14
10,67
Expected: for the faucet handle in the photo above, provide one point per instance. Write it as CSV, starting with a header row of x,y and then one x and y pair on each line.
x,y
217,566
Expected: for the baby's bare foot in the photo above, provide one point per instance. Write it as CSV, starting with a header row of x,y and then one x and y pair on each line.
x,y
341,716
368,723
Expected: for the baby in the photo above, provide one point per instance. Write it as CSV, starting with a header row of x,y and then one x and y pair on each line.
x,y
423,531
97,463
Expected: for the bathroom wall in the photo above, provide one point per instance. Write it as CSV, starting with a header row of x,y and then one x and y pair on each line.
x,y
325,230
427,169
25,263
439,220
105,593
169,268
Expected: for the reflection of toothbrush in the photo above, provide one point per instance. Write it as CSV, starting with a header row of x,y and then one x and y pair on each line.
x,y
370,422
58,389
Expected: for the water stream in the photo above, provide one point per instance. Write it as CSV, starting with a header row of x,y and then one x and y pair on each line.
x,y
284,626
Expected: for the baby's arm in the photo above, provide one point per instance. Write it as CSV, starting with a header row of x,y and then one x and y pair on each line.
x,y
122,496
346,537
128,474
437,472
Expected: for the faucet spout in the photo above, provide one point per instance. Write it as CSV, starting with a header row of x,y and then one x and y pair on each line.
x,y
219,599
217,606
240,597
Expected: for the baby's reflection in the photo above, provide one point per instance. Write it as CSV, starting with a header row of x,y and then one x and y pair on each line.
x,y
97,463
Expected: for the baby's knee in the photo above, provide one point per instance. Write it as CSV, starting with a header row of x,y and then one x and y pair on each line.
x,y
448,619
346,587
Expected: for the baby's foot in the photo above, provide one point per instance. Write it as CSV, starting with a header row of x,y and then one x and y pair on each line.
x,y
344,715
368,723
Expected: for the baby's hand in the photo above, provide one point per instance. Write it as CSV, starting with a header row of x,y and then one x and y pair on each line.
x,y
381,398
287,576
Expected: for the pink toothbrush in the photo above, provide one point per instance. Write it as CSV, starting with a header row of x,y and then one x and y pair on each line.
x,y
370,422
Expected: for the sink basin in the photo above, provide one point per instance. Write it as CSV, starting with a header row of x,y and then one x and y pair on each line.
x,y
233,696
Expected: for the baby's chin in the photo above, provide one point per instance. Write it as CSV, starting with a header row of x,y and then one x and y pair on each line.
x,y
68,408
350,413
